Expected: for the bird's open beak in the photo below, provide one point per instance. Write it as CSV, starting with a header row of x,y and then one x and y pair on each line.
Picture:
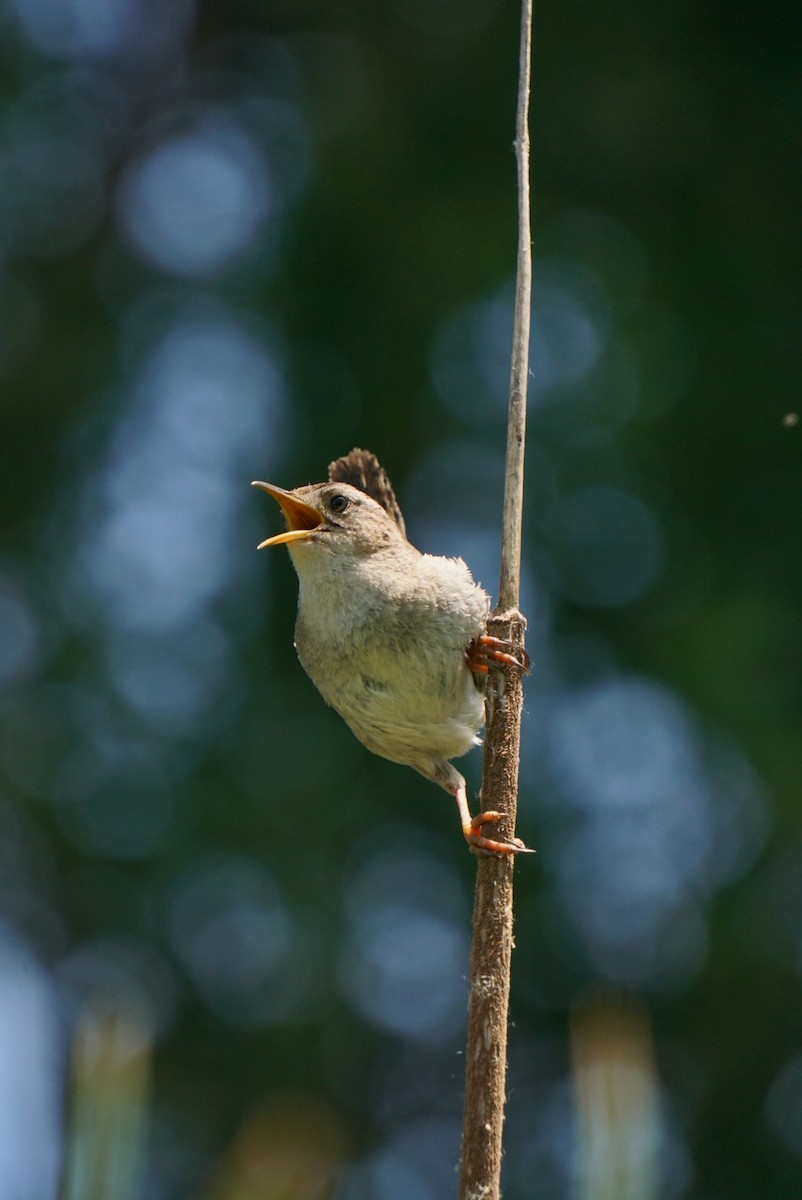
x,y
302,518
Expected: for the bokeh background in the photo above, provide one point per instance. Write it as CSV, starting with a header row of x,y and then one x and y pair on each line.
x,y
237,239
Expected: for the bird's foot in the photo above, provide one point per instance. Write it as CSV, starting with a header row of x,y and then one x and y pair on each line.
x,y
486,649
482,845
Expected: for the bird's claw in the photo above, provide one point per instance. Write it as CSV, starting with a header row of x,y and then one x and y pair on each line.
x,y
481,845
486,649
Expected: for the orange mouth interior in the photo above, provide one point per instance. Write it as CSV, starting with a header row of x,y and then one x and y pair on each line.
x,y
302,518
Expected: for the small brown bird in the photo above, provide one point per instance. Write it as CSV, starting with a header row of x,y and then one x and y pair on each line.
x,y
393,639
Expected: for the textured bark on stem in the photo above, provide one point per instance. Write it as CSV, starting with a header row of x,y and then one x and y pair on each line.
x,y
491,952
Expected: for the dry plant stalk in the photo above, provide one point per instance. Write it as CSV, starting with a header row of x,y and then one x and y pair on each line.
x,y
617,1098
491,952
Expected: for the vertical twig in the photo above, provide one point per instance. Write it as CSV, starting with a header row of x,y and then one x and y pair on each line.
x,y
105,1148
486,1056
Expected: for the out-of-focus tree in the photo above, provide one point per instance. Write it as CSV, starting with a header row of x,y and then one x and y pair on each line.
x,y
236,240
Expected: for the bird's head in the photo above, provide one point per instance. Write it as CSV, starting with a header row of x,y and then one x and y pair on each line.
x,y
332,517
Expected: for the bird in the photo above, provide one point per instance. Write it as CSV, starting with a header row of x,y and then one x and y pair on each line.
x,y
393,639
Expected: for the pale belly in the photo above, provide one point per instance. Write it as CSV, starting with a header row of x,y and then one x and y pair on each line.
x,y
400,710
412,728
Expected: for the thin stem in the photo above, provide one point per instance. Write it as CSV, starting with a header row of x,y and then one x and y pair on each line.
x,y
491,951
510,580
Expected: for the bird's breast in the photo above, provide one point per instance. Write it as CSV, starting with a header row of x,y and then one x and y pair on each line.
x,y
385,642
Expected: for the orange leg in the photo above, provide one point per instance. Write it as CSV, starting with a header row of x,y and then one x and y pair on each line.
x,y
472,829
485,648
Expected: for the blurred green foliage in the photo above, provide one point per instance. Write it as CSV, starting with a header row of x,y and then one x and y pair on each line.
x,y
236,240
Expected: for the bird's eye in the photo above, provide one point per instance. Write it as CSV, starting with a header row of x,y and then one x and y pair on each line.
x,y
338,504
